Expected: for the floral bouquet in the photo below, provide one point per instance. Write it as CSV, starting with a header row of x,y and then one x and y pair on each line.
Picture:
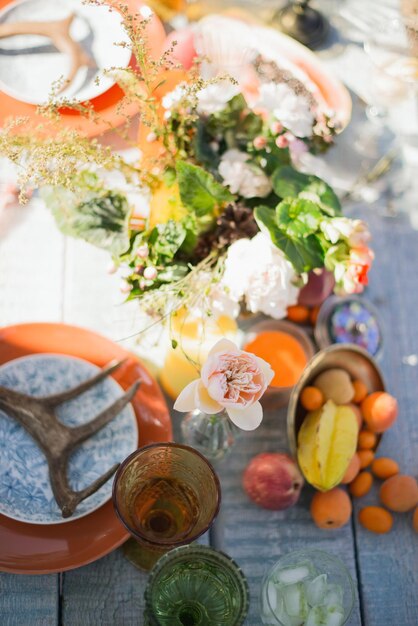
x,y
216,214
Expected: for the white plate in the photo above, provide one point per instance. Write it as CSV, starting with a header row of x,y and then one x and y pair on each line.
x,y
29,64
25,490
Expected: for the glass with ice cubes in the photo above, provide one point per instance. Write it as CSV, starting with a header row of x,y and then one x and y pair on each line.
x,y
307,588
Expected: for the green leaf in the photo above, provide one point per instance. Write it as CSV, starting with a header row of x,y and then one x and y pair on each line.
x,y
202,146
102,220
298,217
305,253
199,190
288,182
171,236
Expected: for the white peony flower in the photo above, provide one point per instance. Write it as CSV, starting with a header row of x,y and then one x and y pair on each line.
x,y
216,96
291,110
242,177
354,231
259,272
172,98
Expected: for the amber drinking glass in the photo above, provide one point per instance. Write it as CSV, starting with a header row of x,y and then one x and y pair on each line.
x,y
166,495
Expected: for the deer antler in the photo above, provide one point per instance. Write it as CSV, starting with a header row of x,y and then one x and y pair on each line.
x,y
57,441
59,33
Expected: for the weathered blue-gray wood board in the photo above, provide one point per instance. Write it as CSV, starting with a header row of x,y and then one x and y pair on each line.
x,y
385,568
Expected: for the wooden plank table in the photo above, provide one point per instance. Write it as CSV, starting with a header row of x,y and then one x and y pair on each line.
x,y
44,276
109,592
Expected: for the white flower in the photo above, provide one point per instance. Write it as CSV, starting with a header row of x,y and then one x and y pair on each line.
x,y
291,110
258,271
216,96
354,231
174,97
242,177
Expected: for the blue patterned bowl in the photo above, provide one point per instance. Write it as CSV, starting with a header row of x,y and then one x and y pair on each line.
x,y
25,491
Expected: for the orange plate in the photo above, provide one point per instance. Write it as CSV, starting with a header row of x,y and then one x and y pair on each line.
x,y
105,105
37,549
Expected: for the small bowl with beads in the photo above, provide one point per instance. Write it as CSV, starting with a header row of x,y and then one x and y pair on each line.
x,y
352,320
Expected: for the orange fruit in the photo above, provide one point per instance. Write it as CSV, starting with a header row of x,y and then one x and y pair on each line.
x,y
399,493
384,467
366,457
313,315
415,520
331,509
360,391
376,519
298,313
352,470
380,411
366,440
312,398
361,484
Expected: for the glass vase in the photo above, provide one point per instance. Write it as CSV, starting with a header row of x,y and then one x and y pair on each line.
x,y
196,586
166,495
211,434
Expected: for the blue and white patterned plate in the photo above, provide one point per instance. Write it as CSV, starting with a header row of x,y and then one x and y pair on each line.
x,y
25,491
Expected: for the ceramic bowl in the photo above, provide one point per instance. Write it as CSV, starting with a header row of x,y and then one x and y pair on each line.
x,y
276,397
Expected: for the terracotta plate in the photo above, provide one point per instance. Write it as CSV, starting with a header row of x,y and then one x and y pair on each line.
x,y
106,105
36,549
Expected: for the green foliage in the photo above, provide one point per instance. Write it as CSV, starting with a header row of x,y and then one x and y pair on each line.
x,y
200,191
302,248
288,182
100,218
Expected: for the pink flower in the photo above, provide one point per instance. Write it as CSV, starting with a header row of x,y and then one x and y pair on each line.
x,y
356,275
260,142
231,379
276,128
282,141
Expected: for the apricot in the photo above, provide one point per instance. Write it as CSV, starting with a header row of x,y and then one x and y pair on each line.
x,y
313,315
298,313
361,485
399,493
331,509
366,440
366,457
336,385
360,391
376,519
415,520
352,470
311,398
384,467
380,411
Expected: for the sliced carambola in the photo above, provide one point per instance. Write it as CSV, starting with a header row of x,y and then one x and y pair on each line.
x,y
327,441
307,447
342,447
316,589
294,574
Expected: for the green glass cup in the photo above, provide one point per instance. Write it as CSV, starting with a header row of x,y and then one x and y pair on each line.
x,y
166,495
196,585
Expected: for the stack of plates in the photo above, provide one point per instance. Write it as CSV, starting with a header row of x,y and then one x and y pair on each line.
x,y
41,359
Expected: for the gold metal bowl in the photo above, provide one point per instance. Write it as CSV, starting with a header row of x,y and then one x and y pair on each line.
x,y
349,357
